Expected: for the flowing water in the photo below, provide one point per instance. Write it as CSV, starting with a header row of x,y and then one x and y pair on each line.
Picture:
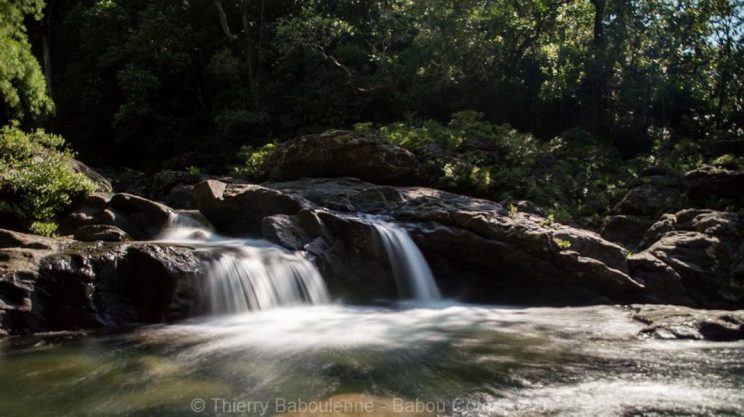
x,y
412,273
247,274
436,359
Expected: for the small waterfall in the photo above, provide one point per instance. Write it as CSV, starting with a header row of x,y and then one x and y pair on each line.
x,y
248,274
412,273
254,278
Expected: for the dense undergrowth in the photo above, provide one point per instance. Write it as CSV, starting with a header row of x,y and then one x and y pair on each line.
x,y
37,180
575,176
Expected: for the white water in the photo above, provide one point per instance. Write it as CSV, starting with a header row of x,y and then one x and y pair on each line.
x,y
412,273
247,274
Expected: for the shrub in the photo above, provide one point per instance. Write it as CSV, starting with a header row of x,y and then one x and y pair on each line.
x,y
38,178
254,158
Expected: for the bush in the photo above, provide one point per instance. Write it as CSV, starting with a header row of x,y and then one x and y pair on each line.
x,y
37,177
254,158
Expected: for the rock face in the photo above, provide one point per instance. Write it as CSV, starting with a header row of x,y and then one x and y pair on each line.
x,y
652,195
59,284
626,230
703,250
237,209
122,216
672,322
343,154
709,183
478,251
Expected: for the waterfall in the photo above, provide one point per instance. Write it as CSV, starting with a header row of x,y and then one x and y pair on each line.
x,y
412,273
248,274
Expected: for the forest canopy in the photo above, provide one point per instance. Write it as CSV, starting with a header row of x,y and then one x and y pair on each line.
x,y
139,82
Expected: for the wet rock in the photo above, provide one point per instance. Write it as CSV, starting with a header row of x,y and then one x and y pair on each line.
x,y
102,232
703,247
343,154
284,230
237,209
59,284
475,245
673,322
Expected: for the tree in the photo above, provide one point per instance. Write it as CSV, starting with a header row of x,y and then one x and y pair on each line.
x,y
22,83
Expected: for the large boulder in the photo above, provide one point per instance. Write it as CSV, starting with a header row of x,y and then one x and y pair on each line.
x,y
343,154
238,209
60,284
478,251
625,230
652,195
708,184
704,249
135,216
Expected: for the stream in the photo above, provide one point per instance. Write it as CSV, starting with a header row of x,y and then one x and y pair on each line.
x,y
274,342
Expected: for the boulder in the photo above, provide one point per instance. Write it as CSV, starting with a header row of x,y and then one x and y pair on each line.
x,y
102,232
136,216
343,154
478,251
708,184
704,248
284,230
238,209
59,284
102,183
652,196
674,322
625,230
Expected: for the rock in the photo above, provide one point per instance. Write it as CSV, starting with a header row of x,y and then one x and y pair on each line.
x,y
181,197
343,154
238,209
59,284
626,230
707,184
102,183
652,196
673,322
475,246
102,232
284,230
663,282
704,248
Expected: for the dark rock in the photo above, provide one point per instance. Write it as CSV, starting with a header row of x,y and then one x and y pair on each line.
x,y
709,183
626,230
703,247
101,232
58,284
181,197
652,196
476,247
672,322
102,183
238,209
343,154
284,230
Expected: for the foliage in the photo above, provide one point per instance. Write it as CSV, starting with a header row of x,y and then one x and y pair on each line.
x,y
36,173
253,158
22,84
212,76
